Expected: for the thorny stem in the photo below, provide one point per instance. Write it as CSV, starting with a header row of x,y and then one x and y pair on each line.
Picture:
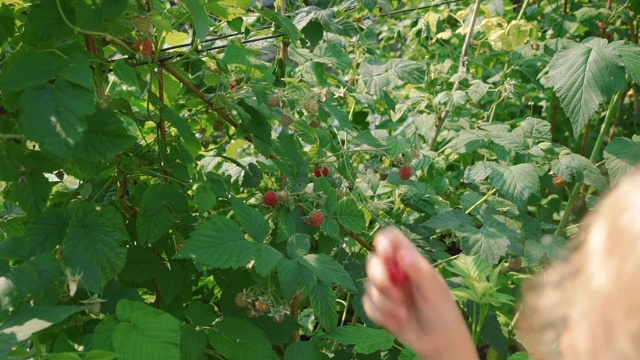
x,y
462,69
595,153
284,54
360,241
295,313
161,125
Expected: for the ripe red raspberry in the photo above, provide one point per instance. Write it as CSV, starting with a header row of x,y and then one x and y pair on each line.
x,y
325,171
601,25
317,172
270,198
232,84
405,172
397,276
144,47
559,182
316,219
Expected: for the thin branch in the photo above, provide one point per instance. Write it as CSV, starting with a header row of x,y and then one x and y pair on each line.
x,y
461,71
360,241
161,125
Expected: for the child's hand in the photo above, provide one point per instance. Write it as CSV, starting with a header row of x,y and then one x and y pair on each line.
x,y
409,298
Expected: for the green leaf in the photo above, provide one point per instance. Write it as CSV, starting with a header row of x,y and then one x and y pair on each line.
x,y
77,70
350,215
148,334
407,71
621,155
236,53
267,259
104,137
294,277
57,123
516,182
478,172
43,23
205,198
193,342
7,28
489,243
125,73
550,247
199,17
449,220
630,54
298,245
283,22
251,220
369,4
535,131
93,14
583,75
191,142
154,220
26,69
38,278
32,193
323,302
141,264
326,269
470,267
218,243
170,280
45,232
238,339
304,350
365,340
30,319
100,355
574,167
92,244
200,314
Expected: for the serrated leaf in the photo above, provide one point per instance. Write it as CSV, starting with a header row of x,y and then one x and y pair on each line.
x,y
350,215
488,243
170,279
574,167
92,243
621,155
304,350
449,220
326,269
310,13
369,4
154,220
47,231
407,71
141,264
104,137
294,277
630,54
516,182
251,220
365,340
37,279
200,313
190,141
298,245
193,342
323,302
199,18
31,194
238,339
57,123
26,69
218,243
535,130
93,14
283,22
550,247
470,267
267,259
511,140
148,334
583,75
477,172
31,319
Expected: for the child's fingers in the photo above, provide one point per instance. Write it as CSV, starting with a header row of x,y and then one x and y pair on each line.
x,y
378,275
389,241
381,310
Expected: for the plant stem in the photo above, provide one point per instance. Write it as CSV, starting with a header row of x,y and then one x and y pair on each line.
x,y
360,241
462,69
479,202
595,153
522,9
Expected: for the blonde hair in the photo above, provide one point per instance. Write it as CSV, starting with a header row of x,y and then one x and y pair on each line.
x,y
588,307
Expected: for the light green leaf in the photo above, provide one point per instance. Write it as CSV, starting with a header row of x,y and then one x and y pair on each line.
x,y
365,340
199,17
304,350
310,13
369,4
148,334
470,267
294,277
511,140
535,131
30,319
92,243
407,71
190,141
621,155
548,248
104,137
238,339
350,215
283,22
326,269
478,172
516,182
251,220
267,258
218,243
574,167
57,122
583,75
488,243
323,302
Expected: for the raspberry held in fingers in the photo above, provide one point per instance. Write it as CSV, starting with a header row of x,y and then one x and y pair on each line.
x,y
397,276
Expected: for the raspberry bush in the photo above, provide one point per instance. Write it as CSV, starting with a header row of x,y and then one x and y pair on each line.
x,y
144,145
